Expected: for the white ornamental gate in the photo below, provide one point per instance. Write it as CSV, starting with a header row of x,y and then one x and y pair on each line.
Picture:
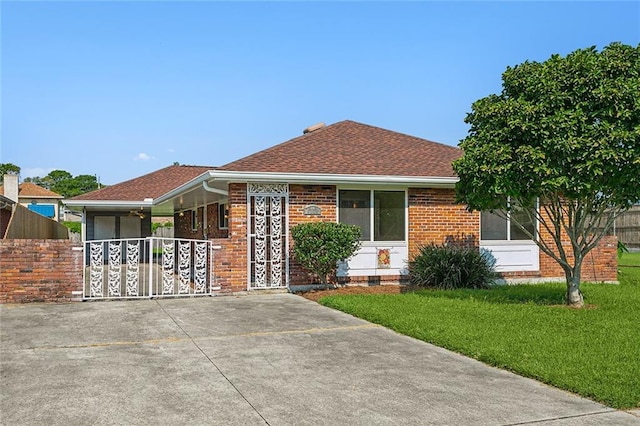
x,y
148,267
267,235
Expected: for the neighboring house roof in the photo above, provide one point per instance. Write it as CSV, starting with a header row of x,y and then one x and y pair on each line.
x,y
151,185
31,190
348,147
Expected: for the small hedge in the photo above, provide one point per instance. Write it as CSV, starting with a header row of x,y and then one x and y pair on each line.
x,y
319,246
452,267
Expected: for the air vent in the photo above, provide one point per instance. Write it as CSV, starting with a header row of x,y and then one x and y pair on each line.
x,y
313,128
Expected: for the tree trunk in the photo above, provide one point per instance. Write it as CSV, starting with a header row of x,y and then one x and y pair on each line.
x,y
574,295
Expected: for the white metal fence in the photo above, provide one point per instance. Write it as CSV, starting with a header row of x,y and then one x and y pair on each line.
x,y
148,267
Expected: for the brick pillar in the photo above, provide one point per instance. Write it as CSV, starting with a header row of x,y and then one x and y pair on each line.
x,y
230,263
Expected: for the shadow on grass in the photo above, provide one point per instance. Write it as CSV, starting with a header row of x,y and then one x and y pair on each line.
x,y
539,294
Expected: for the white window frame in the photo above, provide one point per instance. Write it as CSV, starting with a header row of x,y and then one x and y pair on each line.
x,y
537,229
371,240
513,255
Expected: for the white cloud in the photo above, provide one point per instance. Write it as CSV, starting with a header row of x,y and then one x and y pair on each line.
x,y
171,150
143,156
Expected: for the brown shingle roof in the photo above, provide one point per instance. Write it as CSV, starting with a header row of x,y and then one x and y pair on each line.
x,y
151,185
31,190
353,148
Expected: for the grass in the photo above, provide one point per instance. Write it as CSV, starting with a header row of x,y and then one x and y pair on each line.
x,y
629,259
594,352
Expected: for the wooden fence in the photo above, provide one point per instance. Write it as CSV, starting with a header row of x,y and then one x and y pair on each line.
x,y
627,228
25,224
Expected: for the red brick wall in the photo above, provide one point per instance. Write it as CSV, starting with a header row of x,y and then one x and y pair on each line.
x,y
231,262
434,217
213,229
600,264
39,271
183,227
325,197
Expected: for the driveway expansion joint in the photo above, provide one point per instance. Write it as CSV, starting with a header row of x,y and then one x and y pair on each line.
x,y
212,363
551,419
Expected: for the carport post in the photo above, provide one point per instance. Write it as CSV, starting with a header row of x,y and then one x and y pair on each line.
x,y
150,254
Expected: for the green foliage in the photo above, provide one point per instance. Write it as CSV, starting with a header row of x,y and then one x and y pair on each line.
x,y
525,329
567,126
8,168
156,225
319,246
567,132
73,226
63,183
452,267
622,248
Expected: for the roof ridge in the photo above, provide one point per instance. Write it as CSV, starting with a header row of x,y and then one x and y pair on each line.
x,y
403,134
282,144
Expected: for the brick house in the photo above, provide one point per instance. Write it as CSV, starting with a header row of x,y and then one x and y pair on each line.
x,y
32,196
397,188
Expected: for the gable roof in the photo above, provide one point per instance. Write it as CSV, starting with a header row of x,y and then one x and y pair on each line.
x,y
31,190
348,147
151,185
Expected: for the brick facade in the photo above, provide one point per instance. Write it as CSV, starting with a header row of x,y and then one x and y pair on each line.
x,y
40,271
434,217
600,264
183,226
323,196
231,261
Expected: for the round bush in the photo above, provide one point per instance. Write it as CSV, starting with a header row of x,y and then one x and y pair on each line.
x,y
451,267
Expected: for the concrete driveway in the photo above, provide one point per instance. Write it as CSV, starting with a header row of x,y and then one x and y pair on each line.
x,y
266,359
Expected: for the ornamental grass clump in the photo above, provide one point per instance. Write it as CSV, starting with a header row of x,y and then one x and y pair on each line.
x,y
452,267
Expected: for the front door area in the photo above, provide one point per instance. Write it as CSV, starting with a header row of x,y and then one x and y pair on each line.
x,y
267,236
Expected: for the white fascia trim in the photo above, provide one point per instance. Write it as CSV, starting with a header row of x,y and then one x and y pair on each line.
x,y
433,181
107,203
187,187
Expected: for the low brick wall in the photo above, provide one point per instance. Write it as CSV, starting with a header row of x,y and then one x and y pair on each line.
x,y
40,271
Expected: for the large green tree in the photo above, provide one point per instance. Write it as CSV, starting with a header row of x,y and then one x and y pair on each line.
x,y
8,168
65,184
566,132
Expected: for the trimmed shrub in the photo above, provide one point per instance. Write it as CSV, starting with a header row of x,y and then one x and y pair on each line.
x,y
451,267
73,226
319,246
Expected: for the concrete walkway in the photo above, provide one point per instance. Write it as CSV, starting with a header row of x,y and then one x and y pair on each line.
x,y
251,360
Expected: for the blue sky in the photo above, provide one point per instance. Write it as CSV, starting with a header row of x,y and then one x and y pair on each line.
x,y
119,89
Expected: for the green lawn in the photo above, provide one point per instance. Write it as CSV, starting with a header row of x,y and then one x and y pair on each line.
x,y
594,352
630,259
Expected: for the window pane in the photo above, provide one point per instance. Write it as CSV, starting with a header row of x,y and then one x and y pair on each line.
x,y
492,227
355,210
389,215
522,218
223,216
